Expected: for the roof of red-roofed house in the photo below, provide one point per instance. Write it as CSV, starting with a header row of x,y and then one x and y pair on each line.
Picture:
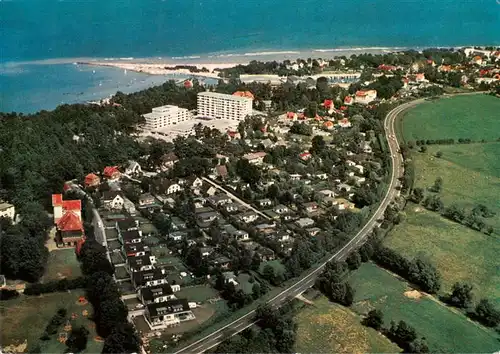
x,y
72,204
328,103
70,222
110,170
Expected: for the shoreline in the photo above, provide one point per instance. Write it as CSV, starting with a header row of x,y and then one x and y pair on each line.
x,y
241,57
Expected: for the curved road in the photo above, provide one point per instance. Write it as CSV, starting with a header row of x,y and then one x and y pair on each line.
x,y
308,280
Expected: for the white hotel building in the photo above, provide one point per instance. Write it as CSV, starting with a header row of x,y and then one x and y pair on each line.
x,y
166,115
221,106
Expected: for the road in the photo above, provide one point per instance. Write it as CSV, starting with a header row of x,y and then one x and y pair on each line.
x,y
308,280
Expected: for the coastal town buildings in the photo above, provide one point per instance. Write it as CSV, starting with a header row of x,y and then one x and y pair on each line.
x,y
166,115
365,96
222,106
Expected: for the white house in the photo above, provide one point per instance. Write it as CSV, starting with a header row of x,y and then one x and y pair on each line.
x,y
133,168
255,158
248,216
172,188
7,210
112,200
167,314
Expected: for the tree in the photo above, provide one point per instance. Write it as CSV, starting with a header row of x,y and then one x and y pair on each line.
x,y
417,195
353,260
461,295
374,319
317,144
423,148
423,273
438,185
439,154
109,314
487,314
93,258
418,346
268,273
123,339
77,340
402,334
256,291
248,172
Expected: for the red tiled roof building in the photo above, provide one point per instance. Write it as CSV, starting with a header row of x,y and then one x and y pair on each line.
x,y
92,180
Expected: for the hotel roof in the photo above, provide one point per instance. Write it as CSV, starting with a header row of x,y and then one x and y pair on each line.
x,y
224,96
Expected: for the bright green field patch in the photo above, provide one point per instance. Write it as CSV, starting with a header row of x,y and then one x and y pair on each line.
x,y
474,116
330,328
61,264
444,329
244,283
470,173
459,253
26,317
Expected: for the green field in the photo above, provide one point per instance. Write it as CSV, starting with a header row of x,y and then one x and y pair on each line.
x,y
197,293
474,116
459,253
470,173
445,329
325,327
25,318
62,263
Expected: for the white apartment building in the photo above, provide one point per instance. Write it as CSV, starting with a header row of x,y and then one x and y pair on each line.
x,y
166,115
222,106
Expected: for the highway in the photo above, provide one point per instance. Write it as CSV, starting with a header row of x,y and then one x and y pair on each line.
x,y
308,280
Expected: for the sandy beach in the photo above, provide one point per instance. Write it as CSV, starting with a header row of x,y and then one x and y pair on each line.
x,y
156,66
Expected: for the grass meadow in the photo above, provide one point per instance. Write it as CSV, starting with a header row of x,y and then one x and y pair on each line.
x,y
445,329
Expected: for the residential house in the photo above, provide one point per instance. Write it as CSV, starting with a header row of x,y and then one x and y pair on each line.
x,y
146,199
267,143
7,210
344,123
61,206
359,180
367,149
111,173
127,224
127,237
140,263
328,125
478,60
167,314
271,214
366,96
133,168
221,159
219,200
295,177
311,207
238,235
265,228
322,176
328,202
232,208
69,229
248,217
255,158
230,277
262,203
168,161
350,163
135,250
343,204
206,251
112,200
208,189
146,278
265,254
281,209
326,193
313,231
359,168
156,294
178,235
194,182
220,261
329,106
178,223
305,156
92,180
344,186
205,219
171,187
304,222
420,77
348,100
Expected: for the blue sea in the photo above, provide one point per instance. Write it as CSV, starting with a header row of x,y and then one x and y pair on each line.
x,y
34,30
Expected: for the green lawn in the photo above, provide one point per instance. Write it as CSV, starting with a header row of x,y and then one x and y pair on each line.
x,y
25,318
326,327
244,284
475,117
198,293
445,329
276,264
62,263
459,253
